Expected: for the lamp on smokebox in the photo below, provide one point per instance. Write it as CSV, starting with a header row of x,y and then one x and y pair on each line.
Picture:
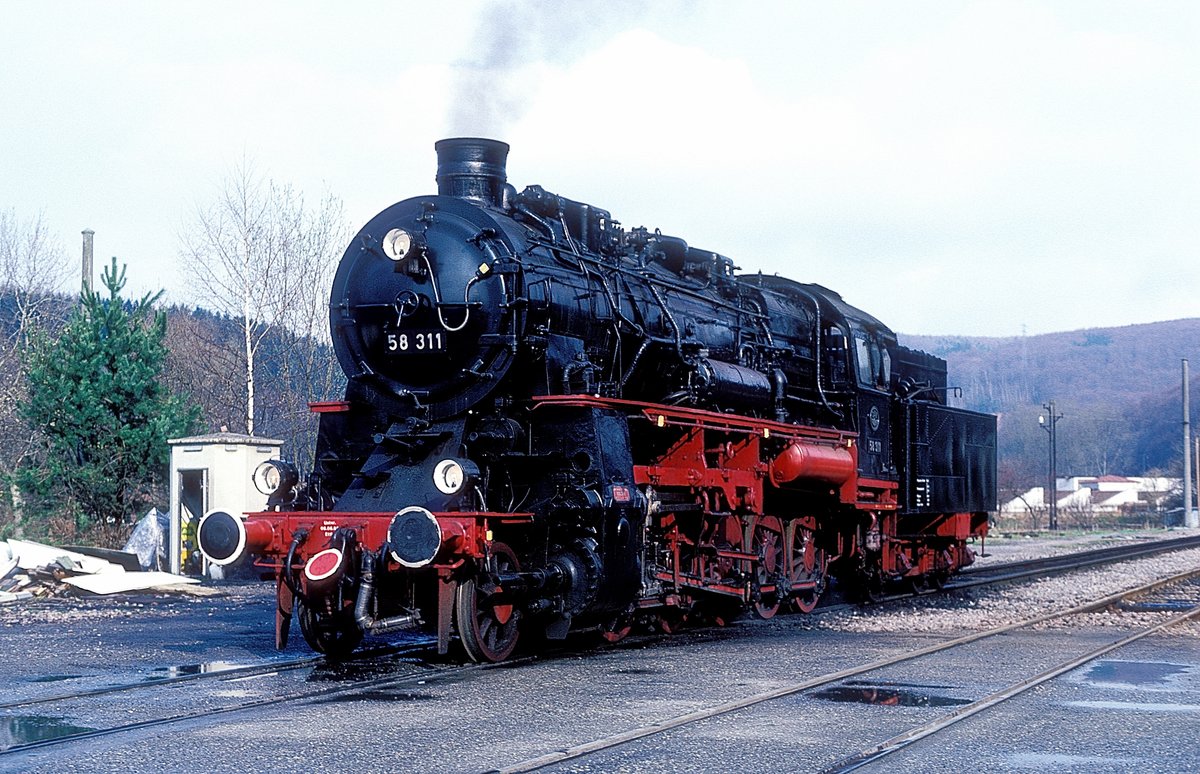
x,y
403,249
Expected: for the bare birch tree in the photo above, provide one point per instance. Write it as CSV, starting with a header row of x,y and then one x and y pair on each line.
x,y
33,270
260,255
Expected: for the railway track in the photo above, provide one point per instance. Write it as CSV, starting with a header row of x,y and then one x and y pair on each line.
x,y
410,664
410,661
910,736
984,575
1006,572
216,671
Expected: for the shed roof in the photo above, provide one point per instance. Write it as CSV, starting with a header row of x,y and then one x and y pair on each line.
x,y
227,438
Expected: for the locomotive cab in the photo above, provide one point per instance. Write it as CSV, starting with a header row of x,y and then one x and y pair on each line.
x,y
873,374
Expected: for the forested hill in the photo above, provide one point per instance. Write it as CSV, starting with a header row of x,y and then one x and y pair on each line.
x,y
1118,389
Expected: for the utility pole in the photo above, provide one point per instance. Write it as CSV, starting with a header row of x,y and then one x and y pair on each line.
x,y
1048,422
1189,517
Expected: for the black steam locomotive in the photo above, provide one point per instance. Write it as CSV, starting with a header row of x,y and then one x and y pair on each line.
x,y
553,423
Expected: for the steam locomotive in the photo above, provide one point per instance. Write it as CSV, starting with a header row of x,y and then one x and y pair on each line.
x,y
553,423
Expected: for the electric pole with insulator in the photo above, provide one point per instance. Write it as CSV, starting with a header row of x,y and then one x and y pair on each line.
x,y
1048,422
1189,517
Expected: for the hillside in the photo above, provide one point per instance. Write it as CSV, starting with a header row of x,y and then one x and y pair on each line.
x,y
1118,390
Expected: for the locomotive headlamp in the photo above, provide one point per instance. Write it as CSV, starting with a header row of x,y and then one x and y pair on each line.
x,y
274,477
450,476
397,244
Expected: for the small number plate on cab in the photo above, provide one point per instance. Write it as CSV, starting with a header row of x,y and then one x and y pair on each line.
x,y
416,341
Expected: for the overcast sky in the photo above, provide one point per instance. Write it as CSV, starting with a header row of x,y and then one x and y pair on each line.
x,y
982,168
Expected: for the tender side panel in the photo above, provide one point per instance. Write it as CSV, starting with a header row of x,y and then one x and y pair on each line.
x,y
949,459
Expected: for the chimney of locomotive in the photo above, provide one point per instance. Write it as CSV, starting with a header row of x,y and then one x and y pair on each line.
x,y
472,168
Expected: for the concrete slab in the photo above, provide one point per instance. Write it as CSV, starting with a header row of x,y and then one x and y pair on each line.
x,y
115,583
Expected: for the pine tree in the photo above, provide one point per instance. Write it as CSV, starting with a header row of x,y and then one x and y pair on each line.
x,y
101,414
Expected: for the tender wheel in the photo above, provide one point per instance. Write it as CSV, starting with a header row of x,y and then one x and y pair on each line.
x,y
927,584
670,620
487,622
806,565
336,635
765,537
872,587
617,628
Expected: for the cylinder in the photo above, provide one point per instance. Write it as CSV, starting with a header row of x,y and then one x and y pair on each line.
x,y
808,462
472,168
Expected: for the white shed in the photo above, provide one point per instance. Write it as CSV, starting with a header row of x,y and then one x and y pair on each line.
x,y
210,472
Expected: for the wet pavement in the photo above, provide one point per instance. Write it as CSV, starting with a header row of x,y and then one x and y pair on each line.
x,y
1134,710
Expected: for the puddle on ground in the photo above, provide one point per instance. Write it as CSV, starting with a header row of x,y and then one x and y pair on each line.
x,y
887,696
378,694
1127,707
1059,761
1139,673
638,671
889,684
1167,606
54,678
184,670
353,671
19,730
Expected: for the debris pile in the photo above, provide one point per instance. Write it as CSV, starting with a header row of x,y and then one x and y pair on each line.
x,y
31,570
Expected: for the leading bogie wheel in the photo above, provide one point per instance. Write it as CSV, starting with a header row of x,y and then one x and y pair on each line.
x,y
335,635
487,620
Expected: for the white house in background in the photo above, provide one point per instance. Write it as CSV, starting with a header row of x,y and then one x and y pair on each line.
x,y
1097,494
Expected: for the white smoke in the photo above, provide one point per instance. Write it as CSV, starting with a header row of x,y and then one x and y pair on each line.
x,y
513,41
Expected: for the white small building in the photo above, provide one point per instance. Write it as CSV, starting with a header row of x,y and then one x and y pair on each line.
x,y
212,472
1096,494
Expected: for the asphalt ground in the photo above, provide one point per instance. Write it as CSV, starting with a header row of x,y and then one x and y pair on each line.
x,y
1135,710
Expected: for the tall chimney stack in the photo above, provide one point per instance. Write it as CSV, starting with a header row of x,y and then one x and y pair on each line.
x,y
88,235
472,168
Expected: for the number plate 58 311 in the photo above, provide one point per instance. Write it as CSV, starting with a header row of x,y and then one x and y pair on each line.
x,y
416,341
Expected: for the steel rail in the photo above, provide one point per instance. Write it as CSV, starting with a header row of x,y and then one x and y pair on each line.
x,y
245,670
323,692
1069,561
266,666
1029,568
900,741
652,729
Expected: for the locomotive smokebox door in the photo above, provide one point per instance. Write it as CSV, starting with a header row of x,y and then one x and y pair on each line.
x,y
422,304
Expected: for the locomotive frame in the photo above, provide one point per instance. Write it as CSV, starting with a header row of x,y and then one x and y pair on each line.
x,y
660,438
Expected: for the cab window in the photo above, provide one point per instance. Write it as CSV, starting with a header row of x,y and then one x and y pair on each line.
x,y
873,361
862,352
835,356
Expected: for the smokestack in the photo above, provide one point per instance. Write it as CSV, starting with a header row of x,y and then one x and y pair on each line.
x,y
88,235
472,168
